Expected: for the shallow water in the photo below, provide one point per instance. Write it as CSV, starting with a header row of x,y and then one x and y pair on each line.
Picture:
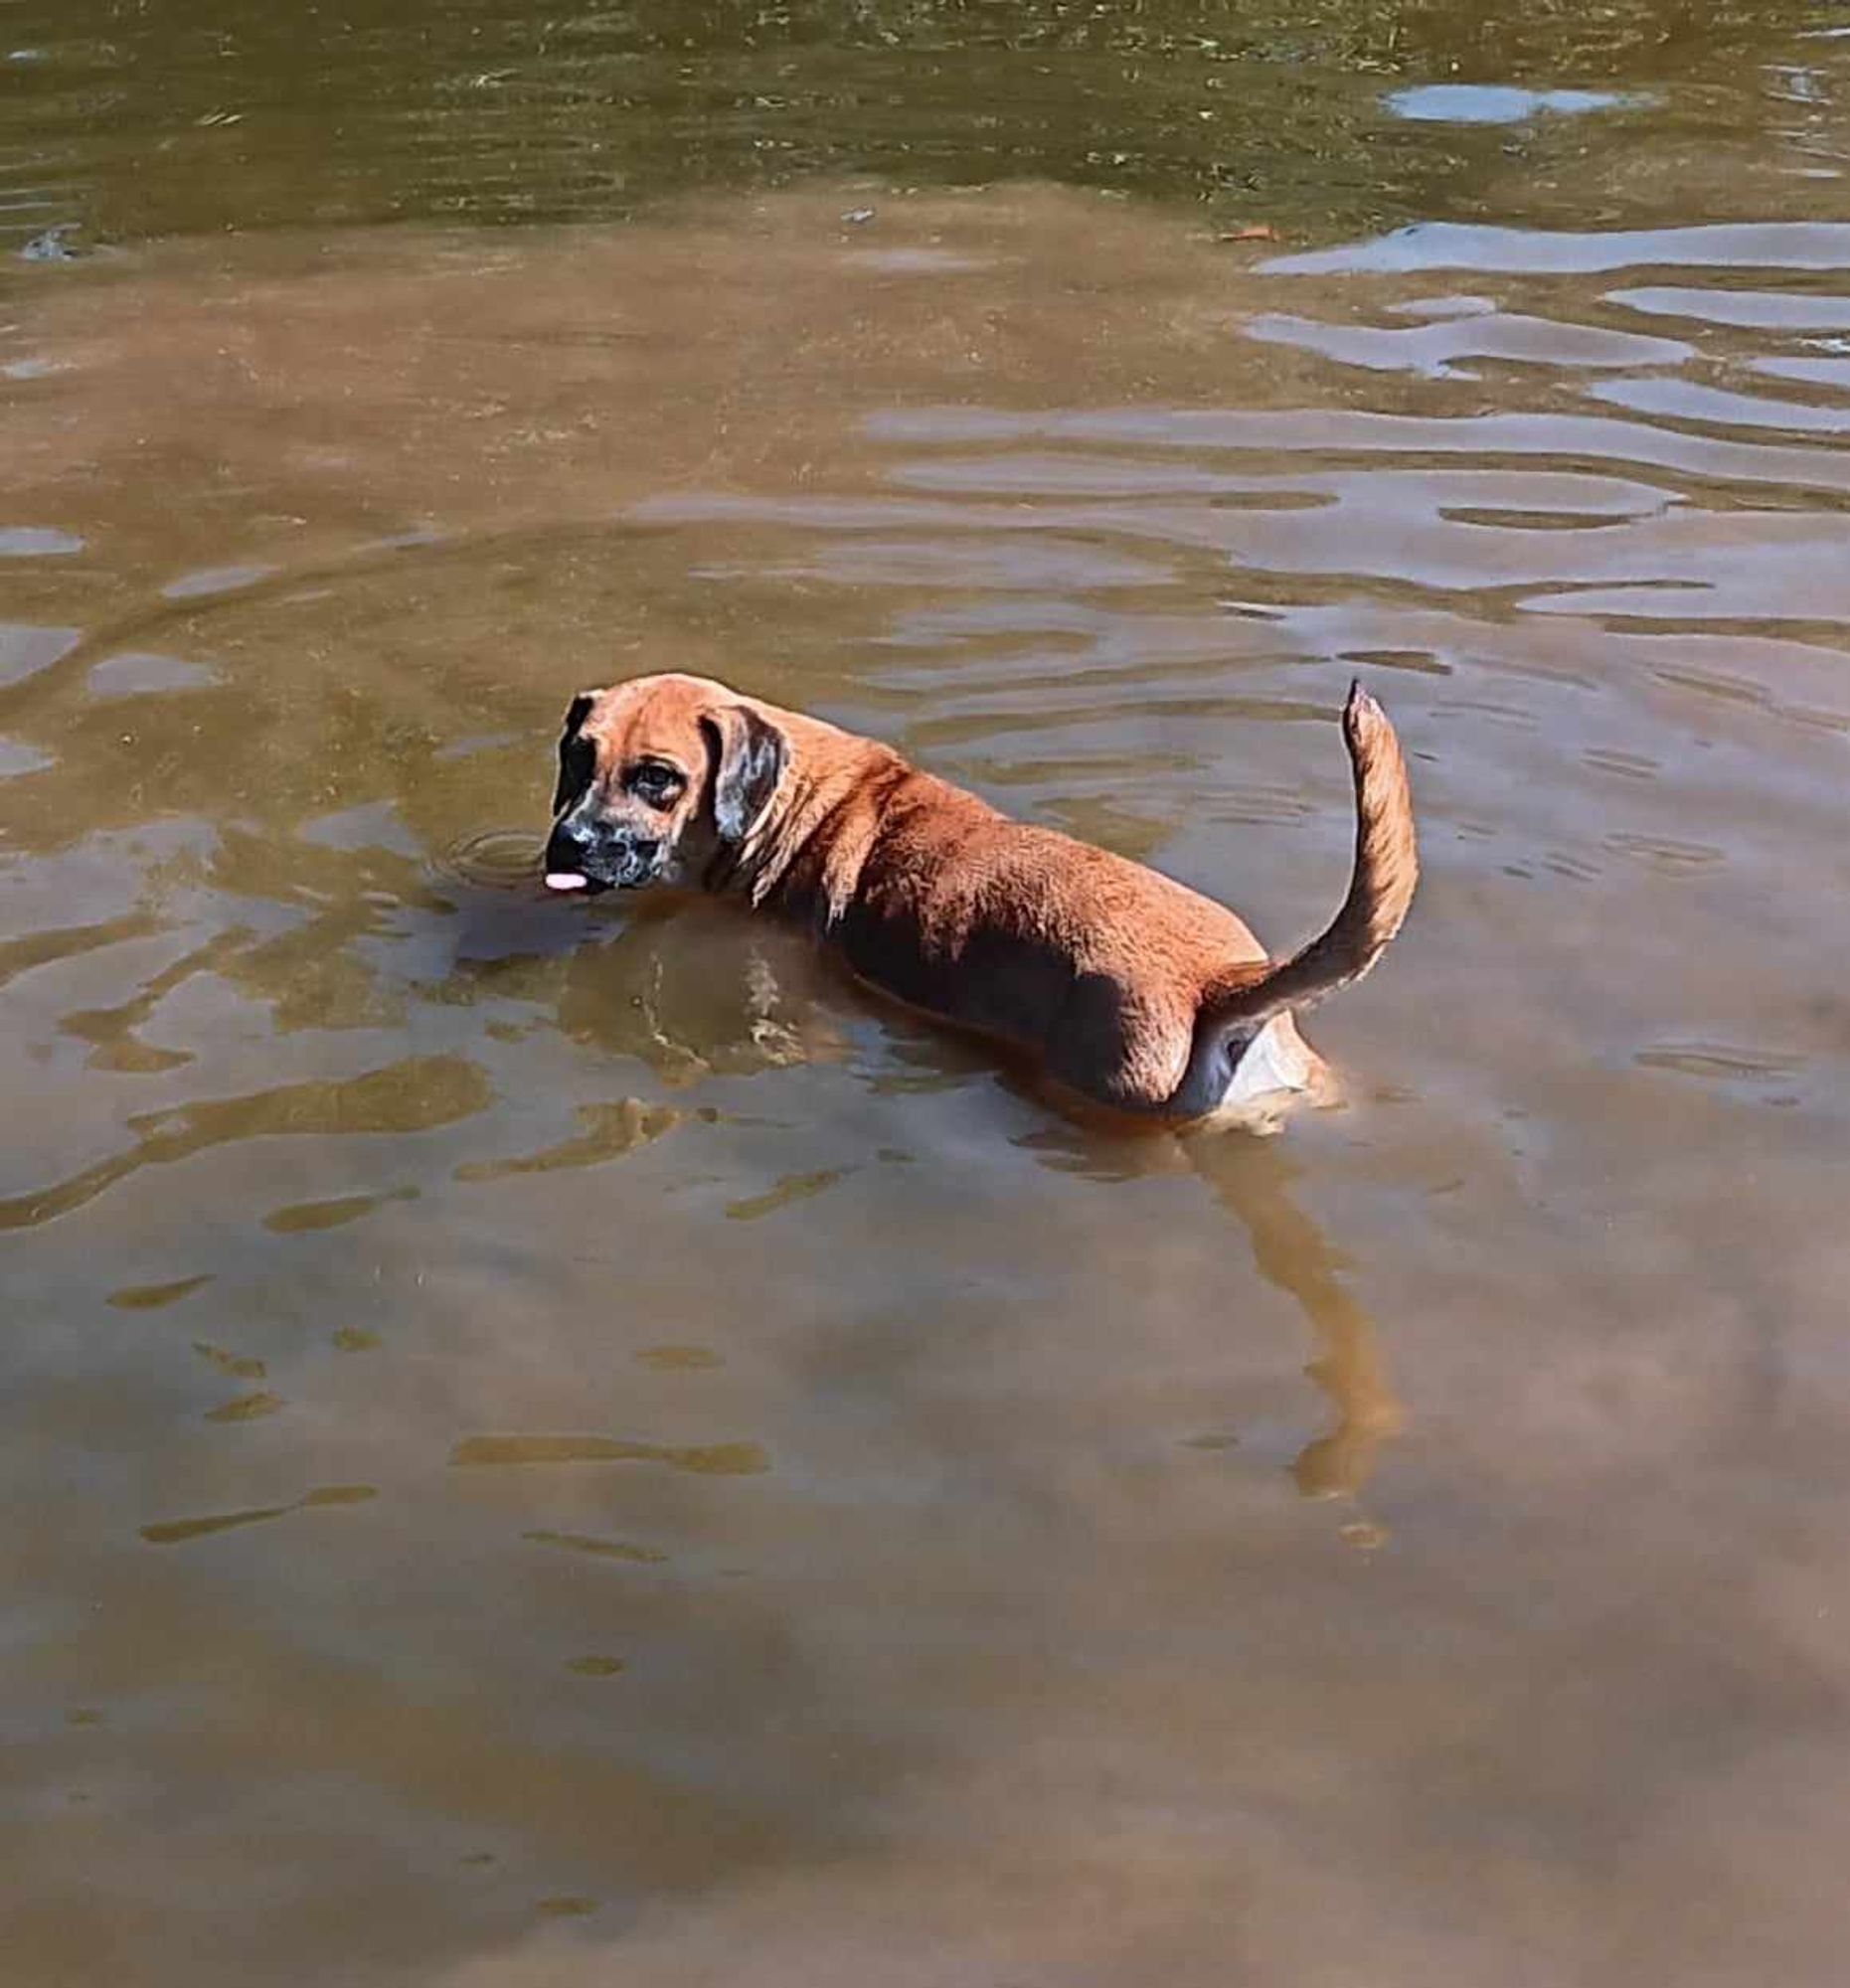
x,y
549,1442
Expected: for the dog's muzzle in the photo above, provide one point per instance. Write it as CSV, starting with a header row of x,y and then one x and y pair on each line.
x,y
591,856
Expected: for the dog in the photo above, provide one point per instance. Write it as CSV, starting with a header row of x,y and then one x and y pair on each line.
x,y
1123,990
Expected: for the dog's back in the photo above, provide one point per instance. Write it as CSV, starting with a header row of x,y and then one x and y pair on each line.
x,y
1124,984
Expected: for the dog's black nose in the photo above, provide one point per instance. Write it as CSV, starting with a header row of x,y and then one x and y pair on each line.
x,y
566,850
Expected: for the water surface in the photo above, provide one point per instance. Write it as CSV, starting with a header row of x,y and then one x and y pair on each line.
x,y
548,1442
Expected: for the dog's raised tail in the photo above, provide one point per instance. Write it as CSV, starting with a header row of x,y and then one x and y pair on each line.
x,y
1380,887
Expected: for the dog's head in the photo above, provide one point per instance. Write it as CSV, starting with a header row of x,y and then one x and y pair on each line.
x,y
658,779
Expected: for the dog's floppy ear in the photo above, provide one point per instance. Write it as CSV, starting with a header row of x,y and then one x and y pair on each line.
x,y
571,767
749,757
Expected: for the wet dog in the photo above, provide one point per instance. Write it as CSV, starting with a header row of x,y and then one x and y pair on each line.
x,y
1122,987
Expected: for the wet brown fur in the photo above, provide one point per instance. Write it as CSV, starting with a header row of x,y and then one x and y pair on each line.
x,y
1117,982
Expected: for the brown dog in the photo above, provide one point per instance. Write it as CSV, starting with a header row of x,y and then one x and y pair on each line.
x,y
1121,985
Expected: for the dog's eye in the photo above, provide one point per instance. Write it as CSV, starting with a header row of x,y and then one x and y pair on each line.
x,y
656,782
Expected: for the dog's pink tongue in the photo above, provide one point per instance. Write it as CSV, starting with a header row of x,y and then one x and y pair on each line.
x,y
565,879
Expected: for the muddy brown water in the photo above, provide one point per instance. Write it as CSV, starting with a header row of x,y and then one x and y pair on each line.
x,y
552,1444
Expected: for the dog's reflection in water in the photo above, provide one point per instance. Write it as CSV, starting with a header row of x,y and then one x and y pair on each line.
x,y
1254,1180
700,994
703,993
